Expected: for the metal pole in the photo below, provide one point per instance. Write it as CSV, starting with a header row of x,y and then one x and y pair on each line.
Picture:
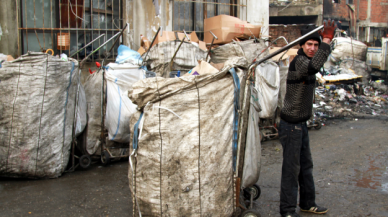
x,y
82,62
183,39
153,40
210,48
87,45
290,45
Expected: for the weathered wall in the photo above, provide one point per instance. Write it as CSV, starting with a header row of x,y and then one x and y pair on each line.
x,y
9,28
297,11
290,32
258,14
336,11
145,17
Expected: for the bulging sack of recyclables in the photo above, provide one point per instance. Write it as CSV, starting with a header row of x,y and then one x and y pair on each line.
x,y
268,85
37,107
344,48
184,160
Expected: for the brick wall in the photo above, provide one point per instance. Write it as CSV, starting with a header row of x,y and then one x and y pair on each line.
x,y
379,11
290,32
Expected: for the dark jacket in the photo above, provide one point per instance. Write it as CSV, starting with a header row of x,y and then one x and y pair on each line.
x,y
298,101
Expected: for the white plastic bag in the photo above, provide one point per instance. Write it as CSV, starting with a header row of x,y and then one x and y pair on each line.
x,y
252,159
119,107
268,82
126,55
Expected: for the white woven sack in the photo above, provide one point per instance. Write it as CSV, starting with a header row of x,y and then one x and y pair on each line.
x,y
268,83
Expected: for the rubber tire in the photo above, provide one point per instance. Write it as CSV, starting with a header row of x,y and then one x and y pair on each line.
x,y
85,161
105,158
250,213
257,190
318,126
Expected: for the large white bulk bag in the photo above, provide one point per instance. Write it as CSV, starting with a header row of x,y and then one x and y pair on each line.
x,y
184,142
119,108
37,108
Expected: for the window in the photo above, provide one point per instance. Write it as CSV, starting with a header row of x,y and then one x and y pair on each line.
x,y
349,2
189,15
65,26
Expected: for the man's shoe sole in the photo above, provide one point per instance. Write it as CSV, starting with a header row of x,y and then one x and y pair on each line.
x,y
323,212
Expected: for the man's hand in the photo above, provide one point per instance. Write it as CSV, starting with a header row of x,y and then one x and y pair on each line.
x,y
328,30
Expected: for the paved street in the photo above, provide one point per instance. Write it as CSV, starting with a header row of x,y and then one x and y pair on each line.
x,y
350,171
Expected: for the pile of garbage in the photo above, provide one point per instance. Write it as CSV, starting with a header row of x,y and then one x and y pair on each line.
x,y
338,101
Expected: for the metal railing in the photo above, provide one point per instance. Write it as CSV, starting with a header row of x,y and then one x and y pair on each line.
x,y
67,25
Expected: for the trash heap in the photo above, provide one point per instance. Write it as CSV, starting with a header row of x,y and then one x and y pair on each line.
x,y
342,100
349,90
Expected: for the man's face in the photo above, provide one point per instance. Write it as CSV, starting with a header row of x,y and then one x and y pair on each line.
x,y
310,47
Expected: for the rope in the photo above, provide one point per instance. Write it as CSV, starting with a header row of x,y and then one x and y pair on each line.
x,y
199,147
41,114
13,110
161,146
236,115
135,142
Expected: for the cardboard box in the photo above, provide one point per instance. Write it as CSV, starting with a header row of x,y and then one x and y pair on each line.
x,y
227,28
144,42
141,51
168,36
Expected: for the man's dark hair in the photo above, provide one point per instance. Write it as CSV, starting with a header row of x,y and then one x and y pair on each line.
x,y
315,36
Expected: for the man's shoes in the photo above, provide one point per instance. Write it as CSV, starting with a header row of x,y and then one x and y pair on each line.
x,y
315,209
290,214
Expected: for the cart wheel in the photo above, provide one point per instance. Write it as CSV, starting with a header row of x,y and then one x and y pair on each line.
x,y
318,125
250,213
85,161
262,138
255,189
105,158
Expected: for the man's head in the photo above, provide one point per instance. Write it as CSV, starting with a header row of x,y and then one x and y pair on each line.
x,y
314,40
310,47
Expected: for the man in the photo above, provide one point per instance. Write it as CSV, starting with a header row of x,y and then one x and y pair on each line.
x,y
297,162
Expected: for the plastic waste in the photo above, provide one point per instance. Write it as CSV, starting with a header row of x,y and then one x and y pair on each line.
x,y
126,55
64,57
341,93
150,74
175,73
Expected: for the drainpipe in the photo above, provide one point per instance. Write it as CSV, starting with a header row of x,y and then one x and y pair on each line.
x,y
358,18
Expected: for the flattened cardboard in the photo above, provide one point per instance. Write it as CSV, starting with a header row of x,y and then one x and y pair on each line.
x,y
141,51
202,45
193,37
